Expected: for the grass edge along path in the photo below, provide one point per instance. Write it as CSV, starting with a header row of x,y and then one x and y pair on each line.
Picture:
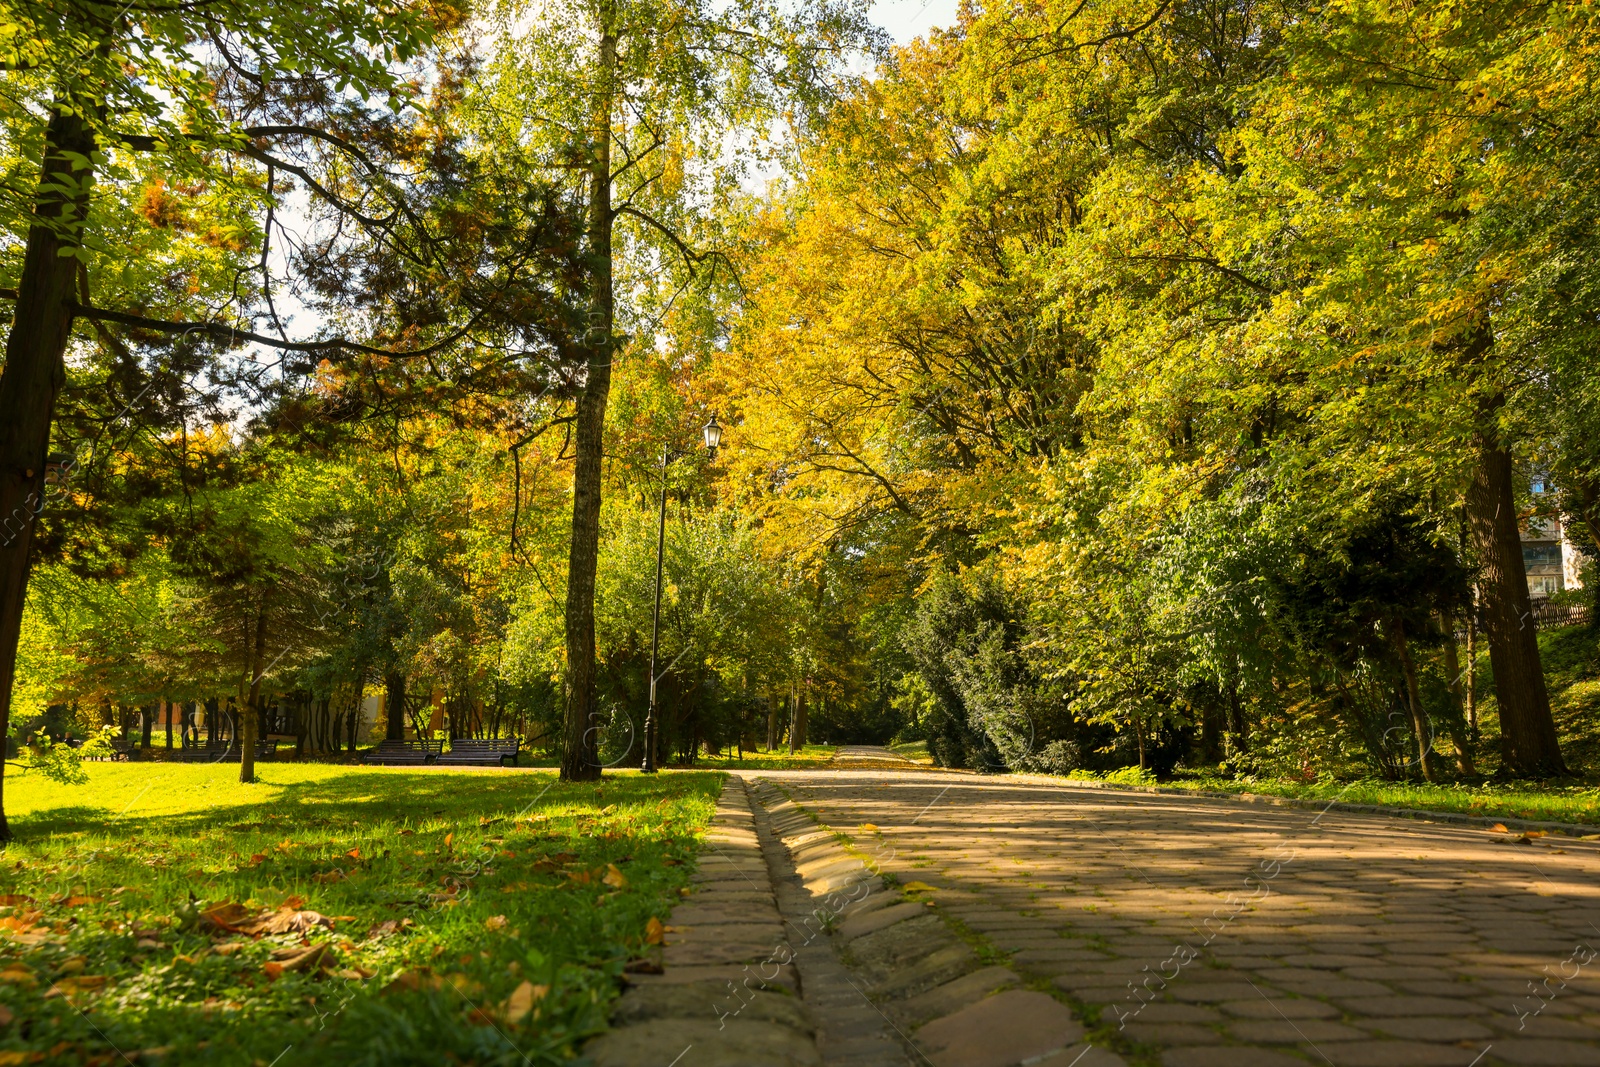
x,y
1488,805
332,914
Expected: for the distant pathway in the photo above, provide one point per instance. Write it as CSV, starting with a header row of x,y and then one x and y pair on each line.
x,y
869,757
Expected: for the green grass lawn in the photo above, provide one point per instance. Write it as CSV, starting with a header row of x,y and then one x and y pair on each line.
x,y
330,914
809,757
915,751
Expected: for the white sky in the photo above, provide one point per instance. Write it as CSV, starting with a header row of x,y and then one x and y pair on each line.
x,y
908,19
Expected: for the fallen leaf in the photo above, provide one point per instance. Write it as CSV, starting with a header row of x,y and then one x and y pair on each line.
x,y
495,922
1499,828
671,863
329,877
226,916
868,827
354,974
614,877
295,901
258,859
354,853
290,921
919,887
76,984
449,837
304,957
413,980
227,948
12,900
78,902
16,1059
406,833
5,1015
654,932
18,974
521,1001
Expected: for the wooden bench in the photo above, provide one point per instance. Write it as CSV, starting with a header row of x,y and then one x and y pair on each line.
x,y
487,752
222,752
404,753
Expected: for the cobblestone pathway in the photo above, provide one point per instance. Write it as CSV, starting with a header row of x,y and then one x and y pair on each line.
x,y
1190,932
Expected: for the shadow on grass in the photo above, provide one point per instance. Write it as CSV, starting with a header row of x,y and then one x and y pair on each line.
x,y
486,902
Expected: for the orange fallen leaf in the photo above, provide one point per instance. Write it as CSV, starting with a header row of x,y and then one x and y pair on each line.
x,y
521,1001
12,900
495,922
449,837
78,902
354,853
654,932
614,877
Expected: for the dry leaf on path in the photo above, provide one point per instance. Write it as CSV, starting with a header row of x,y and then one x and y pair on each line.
x,y
654,932
614,877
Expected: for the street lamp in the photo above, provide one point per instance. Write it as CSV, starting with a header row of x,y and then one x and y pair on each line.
x,y
711,433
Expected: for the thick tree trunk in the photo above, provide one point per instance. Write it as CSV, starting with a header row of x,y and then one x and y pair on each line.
x,y
580,761
1529,745
772,725
147,719
1419,718
166,714
251,715
33,375
797,729
394,706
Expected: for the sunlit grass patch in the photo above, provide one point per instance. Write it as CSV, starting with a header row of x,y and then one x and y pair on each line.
x,y
332,914
808,756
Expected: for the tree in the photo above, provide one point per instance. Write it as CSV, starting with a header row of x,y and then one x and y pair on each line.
x,y
639,102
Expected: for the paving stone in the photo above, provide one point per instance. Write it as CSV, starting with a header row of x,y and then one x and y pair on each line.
x,y
1228,1056
1279,1007
999,1031
862,924
1200,990
1169,1034
1292,1031
692,1000
1544,1053
712,1044
1429,1028
1408,1005
1081,1056
952,996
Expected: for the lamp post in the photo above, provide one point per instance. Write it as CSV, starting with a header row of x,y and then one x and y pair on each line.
x,y
711,433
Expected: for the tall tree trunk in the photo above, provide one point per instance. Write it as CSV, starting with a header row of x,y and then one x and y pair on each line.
x,y
772,724
166,714
1419,718
252,710
1457,720
580,761
1529,745
797,731
394,705
147,719
34,373
1238,728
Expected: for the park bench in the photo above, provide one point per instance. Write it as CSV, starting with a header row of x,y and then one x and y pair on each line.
x,y
404,753
487,752
222,752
